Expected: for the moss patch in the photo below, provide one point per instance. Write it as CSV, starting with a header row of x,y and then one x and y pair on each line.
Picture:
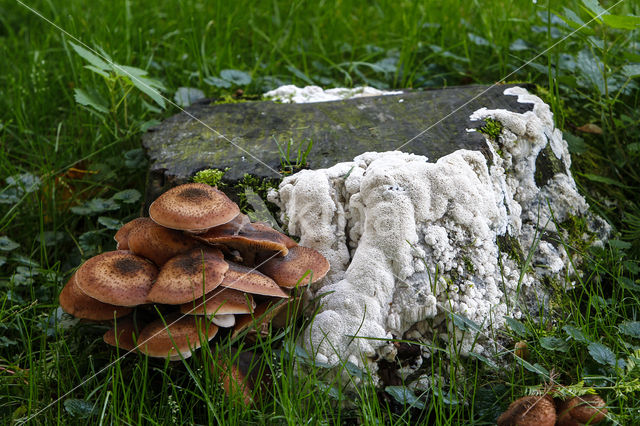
x,y
511,246
492,128
547,166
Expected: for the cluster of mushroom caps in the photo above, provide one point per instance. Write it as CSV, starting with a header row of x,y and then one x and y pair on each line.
x,y
545,411
198,262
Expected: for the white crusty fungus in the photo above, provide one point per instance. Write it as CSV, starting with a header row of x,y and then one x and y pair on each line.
x,y
410,241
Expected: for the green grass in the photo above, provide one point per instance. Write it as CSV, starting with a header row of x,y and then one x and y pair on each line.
x,y
395,44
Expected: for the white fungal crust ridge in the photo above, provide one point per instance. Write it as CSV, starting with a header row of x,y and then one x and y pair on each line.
x,y
410,242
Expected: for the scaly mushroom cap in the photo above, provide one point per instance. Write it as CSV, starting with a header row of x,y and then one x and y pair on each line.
x,y
126,329
581,410
248,238
300,267
189,276
193,207
74,302
157,243
529,411
117,277
181,335
246,279
239,376
220,302
122,236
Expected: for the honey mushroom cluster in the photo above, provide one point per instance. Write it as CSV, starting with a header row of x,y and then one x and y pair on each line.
x,y
545,411
198,261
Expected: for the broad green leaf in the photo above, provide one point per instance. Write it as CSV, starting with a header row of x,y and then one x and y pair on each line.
x,y
477,40
97,70
90,57
3,260
110,223
217,82
620,245
622,22
80,408
237,77
447,397
576,143
603,179
630,328
534,368
27,182
128,196
128,71
151,88
354,370
516,326
554,344
90,243
631,70
575,333
602,354
135,159
404,396
85,99
95,206
7,244
594,7
185,96
628,283
464,323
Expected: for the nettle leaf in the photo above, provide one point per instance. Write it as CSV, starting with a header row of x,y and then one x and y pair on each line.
x,y
602,354
554,344
151,88
217,82
631,70
594,7
7,244
128,196
237,77
110,223
620,245
85,99
575,333
90,57
98,71
516,326
630,328
404,396
185,96
622,22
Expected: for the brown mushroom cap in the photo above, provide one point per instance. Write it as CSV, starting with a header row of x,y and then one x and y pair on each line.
x,y
220,302
125,340
246,279
181,335
301,266
580,410
189,276
117,277
248,238
122,236
74,302
157,243
529,411
240,375
193,207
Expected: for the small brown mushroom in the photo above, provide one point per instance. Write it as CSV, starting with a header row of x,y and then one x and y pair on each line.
x,y
243,278
74,302
122,236
582,410
220,302
300,267
157,243
180,336
193,207
240,376
188,276
529,411
117,277
521,350
126,338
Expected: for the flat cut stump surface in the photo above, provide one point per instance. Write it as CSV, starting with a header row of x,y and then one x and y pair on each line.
x,y
183,145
